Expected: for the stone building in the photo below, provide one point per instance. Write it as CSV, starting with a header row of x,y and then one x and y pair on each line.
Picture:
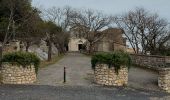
x,y
113,40
76,44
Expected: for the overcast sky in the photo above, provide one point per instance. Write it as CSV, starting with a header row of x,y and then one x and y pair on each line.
x,y
162,7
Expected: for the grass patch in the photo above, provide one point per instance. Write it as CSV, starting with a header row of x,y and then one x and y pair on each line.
x,y
54,59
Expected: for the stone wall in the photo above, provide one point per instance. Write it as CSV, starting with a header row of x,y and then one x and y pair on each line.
x,y
151,61
12,74
158,63
164,79
107,76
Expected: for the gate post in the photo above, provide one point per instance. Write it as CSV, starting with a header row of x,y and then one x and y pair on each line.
x,y
64,75
164,79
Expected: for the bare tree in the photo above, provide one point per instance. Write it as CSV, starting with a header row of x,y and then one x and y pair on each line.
x,y
88,24
51,30
144,30
61,41
60,16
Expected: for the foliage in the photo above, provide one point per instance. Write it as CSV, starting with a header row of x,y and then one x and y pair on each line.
x,y
165,52
54,59
22,58
51,27
19,20
115,59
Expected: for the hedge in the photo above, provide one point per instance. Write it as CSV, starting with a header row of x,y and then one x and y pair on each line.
x,y
22,58
115,59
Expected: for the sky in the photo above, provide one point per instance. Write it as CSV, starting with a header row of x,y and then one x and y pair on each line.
x,y
113,7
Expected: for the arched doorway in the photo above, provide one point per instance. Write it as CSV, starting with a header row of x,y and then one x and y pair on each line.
x,y
80,45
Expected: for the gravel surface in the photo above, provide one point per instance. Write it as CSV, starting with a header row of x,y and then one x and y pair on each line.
x,y
78,70
143,78
79,73
38,92
79,85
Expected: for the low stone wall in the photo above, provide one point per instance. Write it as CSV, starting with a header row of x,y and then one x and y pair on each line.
x,y
12,74
158,63
151,61
164,79
107,76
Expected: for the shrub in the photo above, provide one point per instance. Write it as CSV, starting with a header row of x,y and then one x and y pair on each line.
x,y
115,59
22,58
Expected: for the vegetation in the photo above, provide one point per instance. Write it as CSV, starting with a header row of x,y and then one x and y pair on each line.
x,y
115,59
145,31
165,52
24,59
19,20
53,61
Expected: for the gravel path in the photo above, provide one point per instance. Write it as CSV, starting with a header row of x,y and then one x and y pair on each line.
x,y
78,70
23,92
79,73
143,78
79,86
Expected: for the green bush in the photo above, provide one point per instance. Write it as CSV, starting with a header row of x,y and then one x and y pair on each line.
x,y
115,59
22,58
165,52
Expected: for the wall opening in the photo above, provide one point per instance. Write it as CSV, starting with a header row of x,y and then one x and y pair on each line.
x,y
80,46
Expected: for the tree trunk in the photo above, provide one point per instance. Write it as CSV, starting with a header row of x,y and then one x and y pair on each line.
x,y
27,46
49,50
1,56
91,48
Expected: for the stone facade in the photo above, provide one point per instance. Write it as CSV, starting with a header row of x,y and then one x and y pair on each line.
x,y
107,76
151,61
13,74
164,79
112,41
75,43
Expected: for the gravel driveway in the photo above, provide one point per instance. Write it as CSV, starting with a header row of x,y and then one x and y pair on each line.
x,y
78,70
79,85
79,73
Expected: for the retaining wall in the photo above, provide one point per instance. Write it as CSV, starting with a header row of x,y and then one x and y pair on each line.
x,y
13,74
107,76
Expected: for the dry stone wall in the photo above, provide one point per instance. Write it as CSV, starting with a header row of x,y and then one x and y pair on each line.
x,y
164,79
151,61
13,74
158,63
107,76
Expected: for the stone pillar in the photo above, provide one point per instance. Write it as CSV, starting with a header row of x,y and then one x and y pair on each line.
x,y
164,79
107,76
14,74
